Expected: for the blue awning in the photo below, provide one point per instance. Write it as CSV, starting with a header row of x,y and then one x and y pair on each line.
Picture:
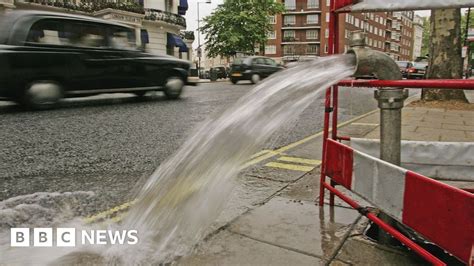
x,y
176,41
183,7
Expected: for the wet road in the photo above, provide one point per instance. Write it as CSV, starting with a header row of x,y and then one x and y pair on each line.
x,y
109,144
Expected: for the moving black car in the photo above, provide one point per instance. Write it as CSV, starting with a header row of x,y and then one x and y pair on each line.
x,y
252,68
45,56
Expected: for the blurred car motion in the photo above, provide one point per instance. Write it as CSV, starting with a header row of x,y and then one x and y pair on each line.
x,y
46,56
253,68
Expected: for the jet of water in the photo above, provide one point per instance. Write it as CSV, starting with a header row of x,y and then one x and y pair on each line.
x,y
187,192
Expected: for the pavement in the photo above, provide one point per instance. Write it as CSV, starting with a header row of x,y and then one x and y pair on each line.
x,y
281,224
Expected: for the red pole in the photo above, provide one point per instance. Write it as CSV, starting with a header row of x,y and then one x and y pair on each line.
x,y
327,107
333,49
392,231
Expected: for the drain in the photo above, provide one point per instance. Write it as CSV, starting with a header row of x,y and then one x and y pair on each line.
x,y
372,232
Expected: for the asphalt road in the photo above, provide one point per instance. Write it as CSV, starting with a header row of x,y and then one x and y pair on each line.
x,y
109,144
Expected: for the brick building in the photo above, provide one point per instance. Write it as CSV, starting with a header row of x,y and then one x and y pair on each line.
x,y
303,30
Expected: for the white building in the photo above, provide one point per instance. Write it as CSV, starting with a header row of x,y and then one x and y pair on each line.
x,y
417,36
158,24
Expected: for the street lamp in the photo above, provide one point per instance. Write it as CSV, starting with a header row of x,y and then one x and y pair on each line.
x,y
199,51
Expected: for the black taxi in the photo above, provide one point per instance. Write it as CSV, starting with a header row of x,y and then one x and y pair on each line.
x,y
45,56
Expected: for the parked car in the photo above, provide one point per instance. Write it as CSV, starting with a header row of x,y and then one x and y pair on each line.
x,y
404,66
253,68
46,56
219,72
417,71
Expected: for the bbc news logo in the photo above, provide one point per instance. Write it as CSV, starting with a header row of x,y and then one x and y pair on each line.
x,y
66,237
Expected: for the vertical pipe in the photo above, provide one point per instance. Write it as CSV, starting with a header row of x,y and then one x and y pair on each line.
x,y
327,106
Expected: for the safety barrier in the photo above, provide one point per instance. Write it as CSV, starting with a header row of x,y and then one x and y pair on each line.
x,y
439,212
425,205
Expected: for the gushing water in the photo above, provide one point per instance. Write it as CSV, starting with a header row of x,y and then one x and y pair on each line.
x,y
186,193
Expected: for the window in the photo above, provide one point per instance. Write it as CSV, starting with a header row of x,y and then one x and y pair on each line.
x,y
289,34
270,62
312,49
59,32
312,34
271,35
288,50
168,5
272,19
326,33
290,4
327,17
289,20
312,19
270,49
356,22
313,3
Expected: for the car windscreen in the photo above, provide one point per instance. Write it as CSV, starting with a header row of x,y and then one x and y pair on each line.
x,y
402,63
239,60
420,65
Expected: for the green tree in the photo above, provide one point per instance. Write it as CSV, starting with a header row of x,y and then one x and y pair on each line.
x,y
239,26
425,48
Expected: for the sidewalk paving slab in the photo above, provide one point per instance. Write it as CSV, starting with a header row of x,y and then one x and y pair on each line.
x,y
297,225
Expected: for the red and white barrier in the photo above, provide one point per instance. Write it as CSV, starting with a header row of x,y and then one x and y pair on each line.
x,y
441,213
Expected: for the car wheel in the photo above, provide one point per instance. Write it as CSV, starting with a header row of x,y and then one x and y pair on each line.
x,y
42,94
173,87
234,81
255,78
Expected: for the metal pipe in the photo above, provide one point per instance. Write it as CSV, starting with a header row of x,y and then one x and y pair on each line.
x,y
371,63
460,84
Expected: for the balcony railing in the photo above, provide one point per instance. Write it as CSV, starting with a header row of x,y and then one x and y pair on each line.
x,y
300,7
158,15
92,6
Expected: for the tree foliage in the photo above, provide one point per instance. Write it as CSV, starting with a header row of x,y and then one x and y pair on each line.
x,y
238,26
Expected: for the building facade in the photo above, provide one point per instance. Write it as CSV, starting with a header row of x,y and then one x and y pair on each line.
x,y
418,25
159,25
302,31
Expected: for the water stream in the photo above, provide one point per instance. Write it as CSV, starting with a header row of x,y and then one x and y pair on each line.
x,y
185,195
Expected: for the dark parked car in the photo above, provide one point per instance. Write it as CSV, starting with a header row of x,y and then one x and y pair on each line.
x,y
46,56
219,72
404,66
253,68
417,71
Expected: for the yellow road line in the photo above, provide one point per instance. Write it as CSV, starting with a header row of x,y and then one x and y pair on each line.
x,y
265,155
109,212
268,155
259,154
294,167
299,160
365,124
